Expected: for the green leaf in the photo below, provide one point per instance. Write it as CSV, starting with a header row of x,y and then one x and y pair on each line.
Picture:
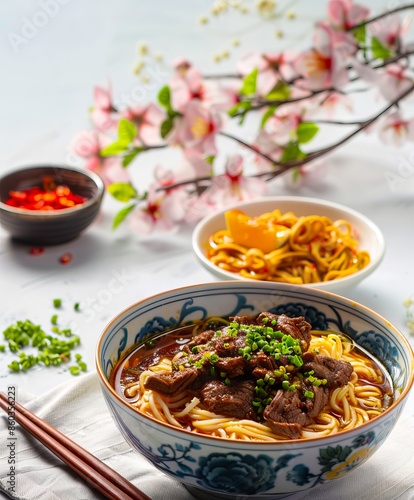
x,y
280,92
292,152
164,97
306,131
240,109
130,157
166,127
360,34
268,114
114,149
121,216
127,131
210,159
379,51
249,83
122,191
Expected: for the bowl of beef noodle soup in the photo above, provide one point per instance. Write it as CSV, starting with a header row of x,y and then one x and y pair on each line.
x,y
262,380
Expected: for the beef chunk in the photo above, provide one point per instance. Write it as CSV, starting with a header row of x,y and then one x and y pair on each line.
x,y
232,367
298,328
317,404
285,414
262,360
227,345
336,372
171,382
233,400
203,376
244,320
260,364
200,339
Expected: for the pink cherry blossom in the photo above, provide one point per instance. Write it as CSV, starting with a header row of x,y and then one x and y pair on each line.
x,y
394,81
279,130
187,84
163,210
199,166
181,65
196,129
324,65
148,120
345,14
395,130
389,30
330,102
227,189
88,145
266,143
271,68
283,126
391,81
102,111
221,96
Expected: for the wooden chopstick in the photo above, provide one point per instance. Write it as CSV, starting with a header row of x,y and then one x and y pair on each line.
x,y
87,466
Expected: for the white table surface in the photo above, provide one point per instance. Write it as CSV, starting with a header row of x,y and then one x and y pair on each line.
x,y
46,89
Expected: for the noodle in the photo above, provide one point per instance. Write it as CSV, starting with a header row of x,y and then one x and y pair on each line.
x,y
349,406
317,249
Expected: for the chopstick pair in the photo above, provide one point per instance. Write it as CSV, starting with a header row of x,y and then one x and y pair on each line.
x,y
104,479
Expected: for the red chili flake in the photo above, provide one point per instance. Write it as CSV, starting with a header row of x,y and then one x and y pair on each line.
x,y
49,197
36,251
66,258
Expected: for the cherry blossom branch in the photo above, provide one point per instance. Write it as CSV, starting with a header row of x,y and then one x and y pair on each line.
x,y
310,156
381,16
317,154
189,111
378,17
278,102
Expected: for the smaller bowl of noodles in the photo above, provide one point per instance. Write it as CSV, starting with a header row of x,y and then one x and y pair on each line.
x,y
290,239
252,390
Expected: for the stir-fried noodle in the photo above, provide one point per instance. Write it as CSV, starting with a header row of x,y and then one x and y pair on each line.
x,y
316,249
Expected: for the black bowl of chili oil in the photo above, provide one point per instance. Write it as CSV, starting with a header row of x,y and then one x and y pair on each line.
x,y
49,204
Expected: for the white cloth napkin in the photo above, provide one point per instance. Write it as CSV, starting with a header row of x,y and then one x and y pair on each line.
x,y
77,409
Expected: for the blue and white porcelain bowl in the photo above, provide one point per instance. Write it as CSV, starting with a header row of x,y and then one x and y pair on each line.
x,y
217,468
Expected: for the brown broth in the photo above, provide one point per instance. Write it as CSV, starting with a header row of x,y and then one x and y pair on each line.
x,y
166,344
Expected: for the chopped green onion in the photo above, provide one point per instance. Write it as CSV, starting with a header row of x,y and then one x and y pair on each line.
x,y
214,358
52,351
74,370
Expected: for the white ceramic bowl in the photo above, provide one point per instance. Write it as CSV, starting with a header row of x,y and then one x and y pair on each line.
x,y
216,468
369,235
